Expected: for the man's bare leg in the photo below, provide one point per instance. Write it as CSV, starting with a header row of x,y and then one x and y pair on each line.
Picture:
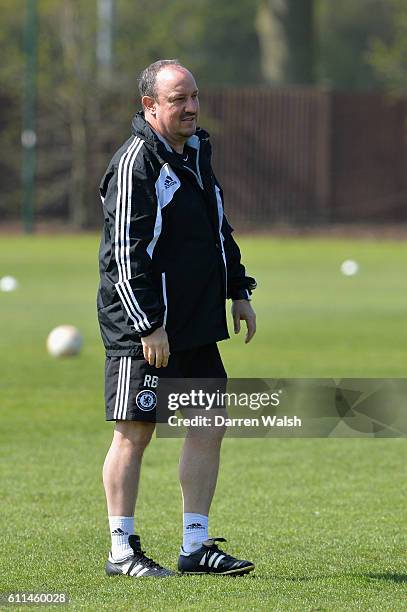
x,y
198,470
121,470
198,473
121,474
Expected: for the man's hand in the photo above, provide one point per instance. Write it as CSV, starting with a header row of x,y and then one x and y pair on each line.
x,y
156,349
242,311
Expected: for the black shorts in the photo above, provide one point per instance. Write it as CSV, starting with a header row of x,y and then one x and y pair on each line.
x,y
131,382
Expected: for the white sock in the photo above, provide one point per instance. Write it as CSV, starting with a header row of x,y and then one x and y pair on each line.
x,y
195,531
120,529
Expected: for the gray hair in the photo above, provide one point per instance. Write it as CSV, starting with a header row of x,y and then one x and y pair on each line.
x,y
148,78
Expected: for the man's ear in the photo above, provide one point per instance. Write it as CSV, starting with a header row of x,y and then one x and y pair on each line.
x,y
149,104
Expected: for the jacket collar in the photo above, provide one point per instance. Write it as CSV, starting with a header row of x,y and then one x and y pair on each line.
x,y
141,128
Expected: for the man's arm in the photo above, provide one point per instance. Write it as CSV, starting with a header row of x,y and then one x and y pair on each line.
x,y
130,208
243,311
239,286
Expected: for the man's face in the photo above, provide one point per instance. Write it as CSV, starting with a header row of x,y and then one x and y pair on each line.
x,y
176,107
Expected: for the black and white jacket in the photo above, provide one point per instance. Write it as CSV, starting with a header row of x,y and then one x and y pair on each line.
x,y
167,256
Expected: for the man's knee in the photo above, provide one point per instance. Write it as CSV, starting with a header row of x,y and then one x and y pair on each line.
x,y
135,434
210,434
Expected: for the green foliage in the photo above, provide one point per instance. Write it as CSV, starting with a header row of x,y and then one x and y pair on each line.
x,y
11,76
346,30
360,45
229,50
389,59
215,39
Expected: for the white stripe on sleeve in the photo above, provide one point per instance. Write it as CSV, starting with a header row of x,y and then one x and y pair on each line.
x,y
122,238
119,201
138,325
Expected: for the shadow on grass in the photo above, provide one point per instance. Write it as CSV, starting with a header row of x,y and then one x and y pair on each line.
x,y
399,578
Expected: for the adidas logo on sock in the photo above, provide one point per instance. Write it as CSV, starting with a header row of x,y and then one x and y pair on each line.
x,y
195,526
119,532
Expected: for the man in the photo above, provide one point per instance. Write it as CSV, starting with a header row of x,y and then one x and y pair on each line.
x,y
167,263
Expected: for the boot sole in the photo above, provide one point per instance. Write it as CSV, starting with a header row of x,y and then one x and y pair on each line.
x,y
236,572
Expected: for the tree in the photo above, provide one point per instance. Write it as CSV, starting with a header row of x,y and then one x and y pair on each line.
x,y
66,101
345,31
80,118
389,58
286,33
79,96
11,75
217,40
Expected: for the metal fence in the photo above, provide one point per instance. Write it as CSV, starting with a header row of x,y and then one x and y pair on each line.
x,y
292,156
308,156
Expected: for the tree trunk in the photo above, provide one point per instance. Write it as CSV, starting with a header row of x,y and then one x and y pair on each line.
x,y
80,98
285,31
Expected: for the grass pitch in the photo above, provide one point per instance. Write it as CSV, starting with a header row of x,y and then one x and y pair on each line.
x,y
322,519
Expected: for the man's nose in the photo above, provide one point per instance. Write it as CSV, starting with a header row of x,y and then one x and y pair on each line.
x,y
191,105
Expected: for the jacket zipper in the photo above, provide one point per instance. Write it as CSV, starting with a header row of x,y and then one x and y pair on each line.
x,y
164,287
197,166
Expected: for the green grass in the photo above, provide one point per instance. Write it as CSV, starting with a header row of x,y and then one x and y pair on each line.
x,y
322,518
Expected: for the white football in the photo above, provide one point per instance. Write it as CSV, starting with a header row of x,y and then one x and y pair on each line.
x,y
8,283
349,267
64,341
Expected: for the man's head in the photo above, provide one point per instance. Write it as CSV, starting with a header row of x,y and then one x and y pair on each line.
x,y
170,99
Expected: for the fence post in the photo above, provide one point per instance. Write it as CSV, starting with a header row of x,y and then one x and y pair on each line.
x,y
324,161
28,134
